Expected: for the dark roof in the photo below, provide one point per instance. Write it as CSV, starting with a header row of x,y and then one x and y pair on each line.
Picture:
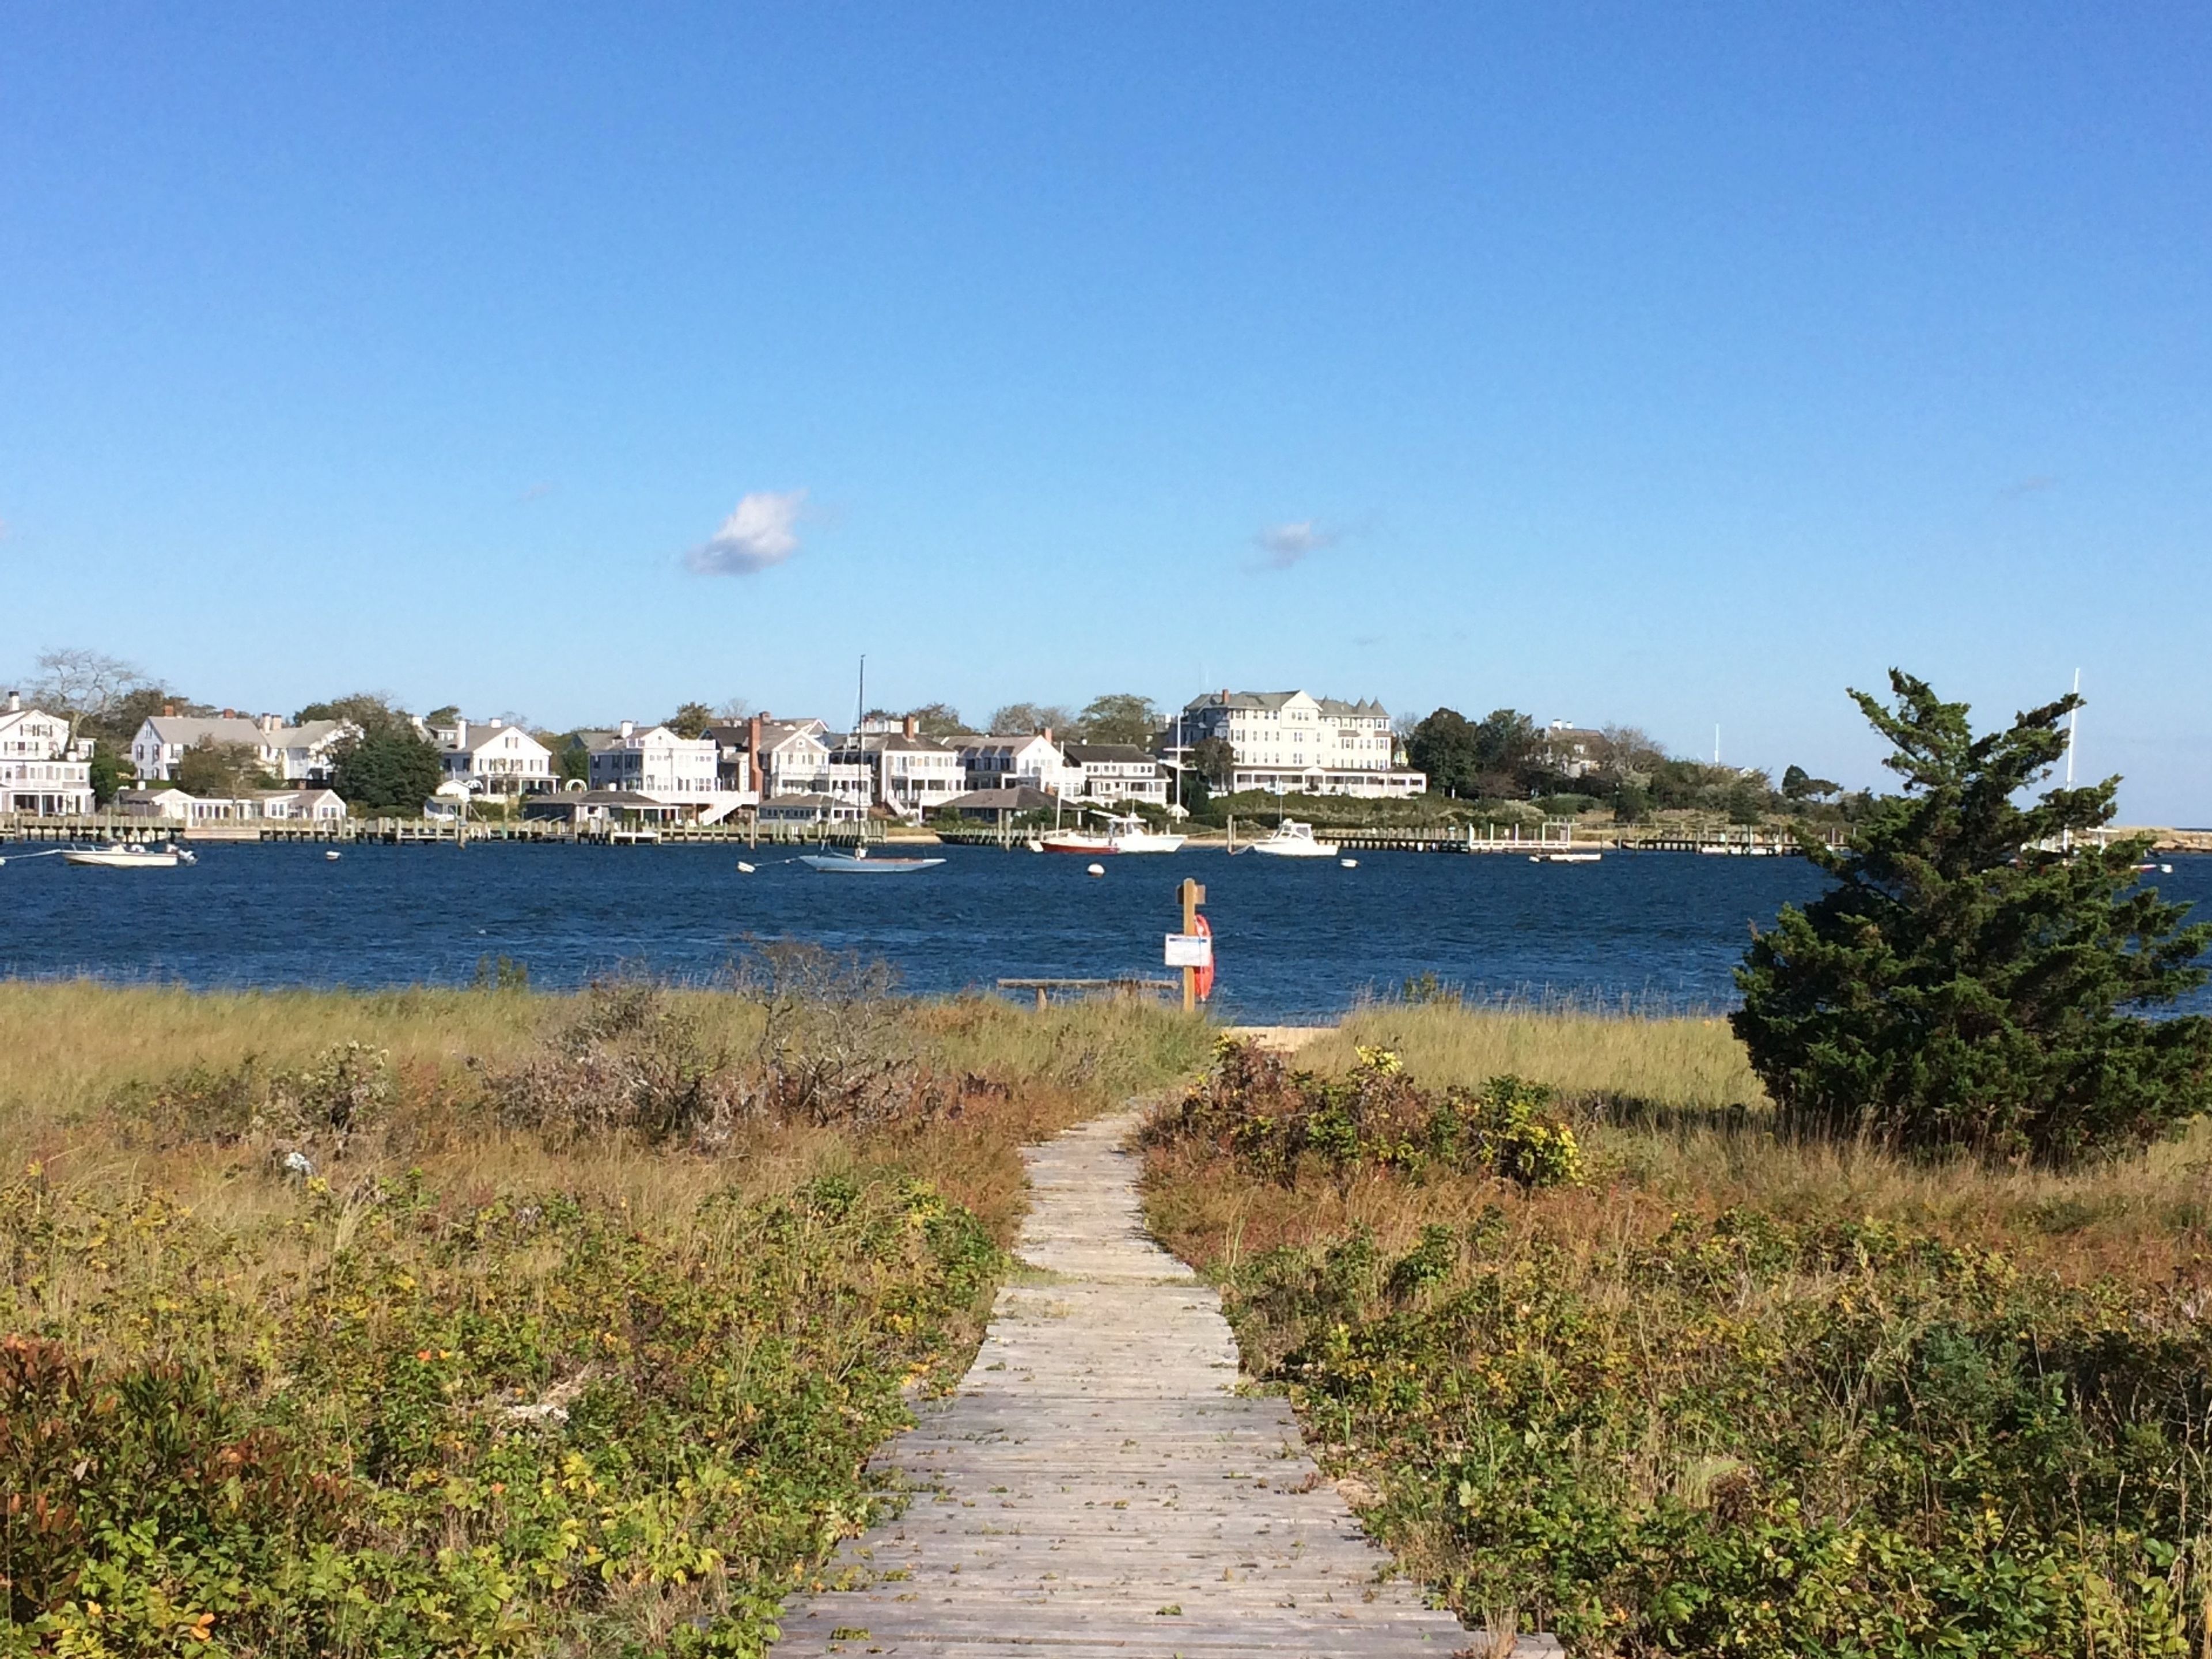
x,y
1022,799
1088,753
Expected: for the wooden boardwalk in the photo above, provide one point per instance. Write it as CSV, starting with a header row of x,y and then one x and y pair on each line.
x,y
1096,1487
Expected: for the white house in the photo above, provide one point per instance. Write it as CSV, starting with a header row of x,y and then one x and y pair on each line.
x,y
1293,743
43,771
1033,760
276,806
913,774
296,754
1570,750
1117,772
789,759
489,757
679,772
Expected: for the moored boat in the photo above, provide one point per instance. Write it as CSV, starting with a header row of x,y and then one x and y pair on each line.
x,y
125,855
1294,839
1122,834
858,863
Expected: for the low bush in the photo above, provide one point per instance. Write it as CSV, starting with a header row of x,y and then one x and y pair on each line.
x,y
1276,1121
1734,1394
1737,1436
394,1422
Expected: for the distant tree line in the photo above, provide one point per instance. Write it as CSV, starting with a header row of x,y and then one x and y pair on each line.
x,y
1506,756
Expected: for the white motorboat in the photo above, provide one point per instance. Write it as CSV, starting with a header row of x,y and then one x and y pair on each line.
x,y
859,864
123,855
1565,857
1294,839
1122,834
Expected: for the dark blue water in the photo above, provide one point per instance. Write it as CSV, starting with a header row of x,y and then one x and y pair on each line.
x,y
1294,940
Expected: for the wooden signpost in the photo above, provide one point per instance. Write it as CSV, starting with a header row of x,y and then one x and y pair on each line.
x,y
1192,896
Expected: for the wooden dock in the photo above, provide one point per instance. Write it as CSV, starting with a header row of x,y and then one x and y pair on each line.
x,y
1096,1487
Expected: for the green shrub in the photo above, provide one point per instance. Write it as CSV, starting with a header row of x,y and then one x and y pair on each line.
x,y
506,1428
1748,1439
1979,976
1274,1120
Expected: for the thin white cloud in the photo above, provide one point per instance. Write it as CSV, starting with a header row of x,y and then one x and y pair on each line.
x,y
1285,544
762,533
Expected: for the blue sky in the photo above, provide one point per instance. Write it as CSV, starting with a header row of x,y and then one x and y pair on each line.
x,y
1668,365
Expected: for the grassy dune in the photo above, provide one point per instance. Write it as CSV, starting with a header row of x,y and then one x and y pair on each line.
x,y
1729,1393
567,1329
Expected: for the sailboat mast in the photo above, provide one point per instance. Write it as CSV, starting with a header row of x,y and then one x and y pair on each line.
x,y
2073,719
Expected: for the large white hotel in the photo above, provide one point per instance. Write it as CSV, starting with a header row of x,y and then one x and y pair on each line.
x,y
1292,743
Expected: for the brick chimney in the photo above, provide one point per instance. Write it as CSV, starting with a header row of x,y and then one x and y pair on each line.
x,y
752,752
168,711
913,727
1048,734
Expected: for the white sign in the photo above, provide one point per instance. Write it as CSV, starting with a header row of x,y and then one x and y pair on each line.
x,y
1189,951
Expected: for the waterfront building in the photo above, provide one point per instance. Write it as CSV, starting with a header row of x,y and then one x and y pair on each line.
x,y
295,754
43,771
174,806
1031,760
1571,750
811,806
490,757
1113,772
684,773
1294,743
789,759
912,775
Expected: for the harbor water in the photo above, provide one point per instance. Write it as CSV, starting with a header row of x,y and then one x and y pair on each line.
x,y
1296,940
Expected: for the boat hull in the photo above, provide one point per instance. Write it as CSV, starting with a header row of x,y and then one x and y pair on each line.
x,y
834,865
105,858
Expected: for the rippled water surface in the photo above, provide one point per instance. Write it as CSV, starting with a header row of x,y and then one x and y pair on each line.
x,y
1294,940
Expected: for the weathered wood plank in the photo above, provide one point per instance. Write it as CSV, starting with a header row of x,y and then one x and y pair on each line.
x,y
1096,1487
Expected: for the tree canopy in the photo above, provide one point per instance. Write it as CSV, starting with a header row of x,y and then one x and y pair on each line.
x,y
371,711
690,720
391,767
1978,976
1018,720
1119,717
222,771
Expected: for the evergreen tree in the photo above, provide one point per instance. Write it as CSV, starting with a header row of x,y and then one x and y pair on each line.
x,y
1444,745
390,769
1964,983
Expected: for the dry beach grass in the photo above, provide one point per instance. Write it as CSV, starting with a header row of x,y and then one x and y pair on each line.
x,y
1731,1393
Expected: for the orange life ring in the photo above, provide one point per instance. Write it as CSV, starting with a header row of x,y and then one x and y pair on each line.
x,y
1205,986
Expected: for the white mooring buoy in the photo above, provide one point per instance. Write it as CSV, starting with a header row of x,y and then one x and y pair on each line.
x,y
1094,870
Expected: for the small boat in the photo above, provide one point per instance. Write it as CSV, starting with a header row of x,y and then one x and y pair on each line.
x,y
1565,857
330,857
859,864
1294,839
123,855
1122,834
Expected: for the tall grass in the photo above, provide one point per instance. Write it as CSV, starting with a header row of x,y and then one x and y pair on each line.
x,y
1736,1393
314,1341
